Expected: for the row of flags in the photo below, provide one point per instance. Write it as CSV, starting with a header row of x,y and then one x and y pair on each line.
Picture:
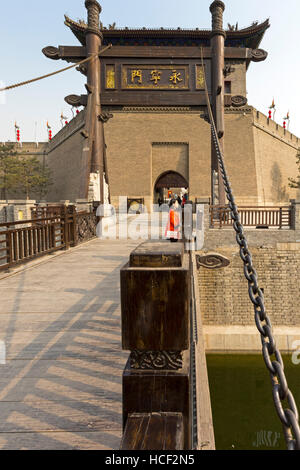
x,y
63,120
286,118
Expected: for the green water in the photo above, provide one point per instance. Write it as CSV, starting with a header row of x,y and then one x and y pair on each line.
x,y
241,396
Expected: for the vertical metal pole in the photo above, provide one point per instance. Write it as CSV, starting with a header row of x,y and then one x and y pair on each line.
x,y
217,42
93,42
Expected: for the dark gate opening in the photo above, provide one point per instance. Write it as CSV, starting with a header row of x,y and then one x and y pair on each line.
x,y
168,185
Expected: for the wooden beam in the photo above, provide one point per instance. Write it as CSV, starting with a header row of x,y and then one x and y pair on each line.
x,y
78,52
137,98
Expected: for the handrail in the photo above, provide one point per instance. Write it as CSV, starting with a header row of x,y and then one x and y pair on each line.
x,y
23,240
252,216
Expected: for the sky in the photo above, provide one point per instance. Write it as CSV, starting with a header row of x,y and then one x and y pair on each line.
x,y
29,25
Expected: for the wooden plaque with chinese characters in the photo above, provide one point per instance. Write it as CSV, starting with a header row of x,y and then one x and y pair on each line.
x,y
155,77
152,80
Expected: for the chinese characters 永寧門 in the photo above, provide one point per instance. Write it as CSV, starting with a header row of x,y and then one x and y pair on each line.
x,y
162,77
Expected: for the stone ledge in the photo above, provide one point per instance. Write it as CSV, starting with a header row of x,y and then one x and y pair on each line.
x,y
238,338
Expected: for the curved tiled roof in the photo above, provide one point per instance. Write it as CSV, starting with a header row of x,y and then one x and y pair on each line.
x,y
247,37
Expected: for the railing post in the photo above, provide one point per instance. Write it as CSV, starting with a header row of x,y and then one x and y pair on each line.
x,y
295,214
65,218
155,302
9,248
280,217
73,226
221,212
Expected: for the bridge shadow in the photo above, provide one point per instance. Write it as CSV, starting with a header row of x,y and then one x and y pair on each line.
x,y
63,389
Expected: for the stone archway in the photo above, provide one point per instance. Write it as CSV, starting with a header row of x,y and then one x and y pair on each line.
x,y
169,180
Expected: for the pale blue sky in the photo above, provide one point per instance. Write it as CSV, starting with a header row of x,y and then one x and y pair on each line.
x,y
29,25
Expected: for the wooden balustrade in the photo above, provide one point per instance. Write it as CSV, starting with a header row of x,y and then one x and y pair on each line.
x,y
27,239
277,217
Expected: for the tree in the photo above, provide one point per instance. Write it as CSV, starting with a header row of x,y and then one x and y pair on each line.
x,y
32,177
8,168
295,183
20,174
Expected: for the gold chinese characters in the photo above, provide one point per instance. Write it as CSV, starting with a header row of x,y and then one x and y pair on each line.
x,y
136,74
161,77
175,77
155,76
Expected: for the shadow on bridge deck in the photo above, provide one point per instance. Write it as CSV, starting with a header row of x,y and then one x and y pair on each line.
x,y
61,385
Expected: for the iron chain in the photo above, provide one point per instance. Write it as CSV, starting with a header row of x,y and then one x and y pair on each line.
x,y
289,417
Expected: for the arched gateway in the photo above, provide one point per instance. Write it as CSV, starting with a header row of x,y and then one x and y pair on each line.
x,y
169,181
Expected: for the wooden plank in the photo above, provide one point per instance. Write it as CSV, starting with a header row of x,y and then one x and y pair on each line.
x,y
153,431
154,98
205,427
173,52
91,440
61,385
136,427
154,438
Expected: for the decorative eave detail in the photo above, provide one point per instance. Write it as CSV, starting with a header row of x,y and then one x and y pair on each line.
x,y
248,37
78,29
68,53
238,101
51,52
105,117
76,100
258,55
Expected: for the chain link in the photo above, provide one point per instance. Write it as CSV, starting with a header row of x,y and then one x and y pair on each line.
x,y
289,417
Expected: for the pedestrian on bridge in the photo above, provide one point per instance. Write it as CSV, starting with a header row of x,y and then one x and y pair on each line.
x,y
173,226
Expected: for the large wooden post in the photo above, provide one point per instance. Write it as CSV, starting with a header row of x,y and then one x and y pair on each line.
x,y
155,300
93,43
217,45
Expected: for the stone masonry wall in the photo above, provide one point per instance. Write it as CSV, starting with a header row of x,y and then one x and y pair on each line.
x,y
64,160
228,314
224,292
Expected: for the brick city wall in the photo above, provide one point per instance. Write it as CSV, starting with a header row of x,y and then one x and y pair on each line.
x,y
275,160
142,143
260,155
65,161
224,292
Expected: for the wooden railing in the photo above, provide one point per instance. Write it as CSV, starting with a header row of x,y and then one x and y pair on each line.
x,y
27,239
277,217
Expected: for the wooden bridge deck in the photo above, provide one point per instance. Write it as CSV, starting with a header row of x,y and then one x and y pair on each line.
x,y
60,321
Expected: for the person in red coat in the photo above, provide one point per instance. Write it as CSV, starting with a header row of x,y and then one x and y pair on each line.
x,y
173,225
